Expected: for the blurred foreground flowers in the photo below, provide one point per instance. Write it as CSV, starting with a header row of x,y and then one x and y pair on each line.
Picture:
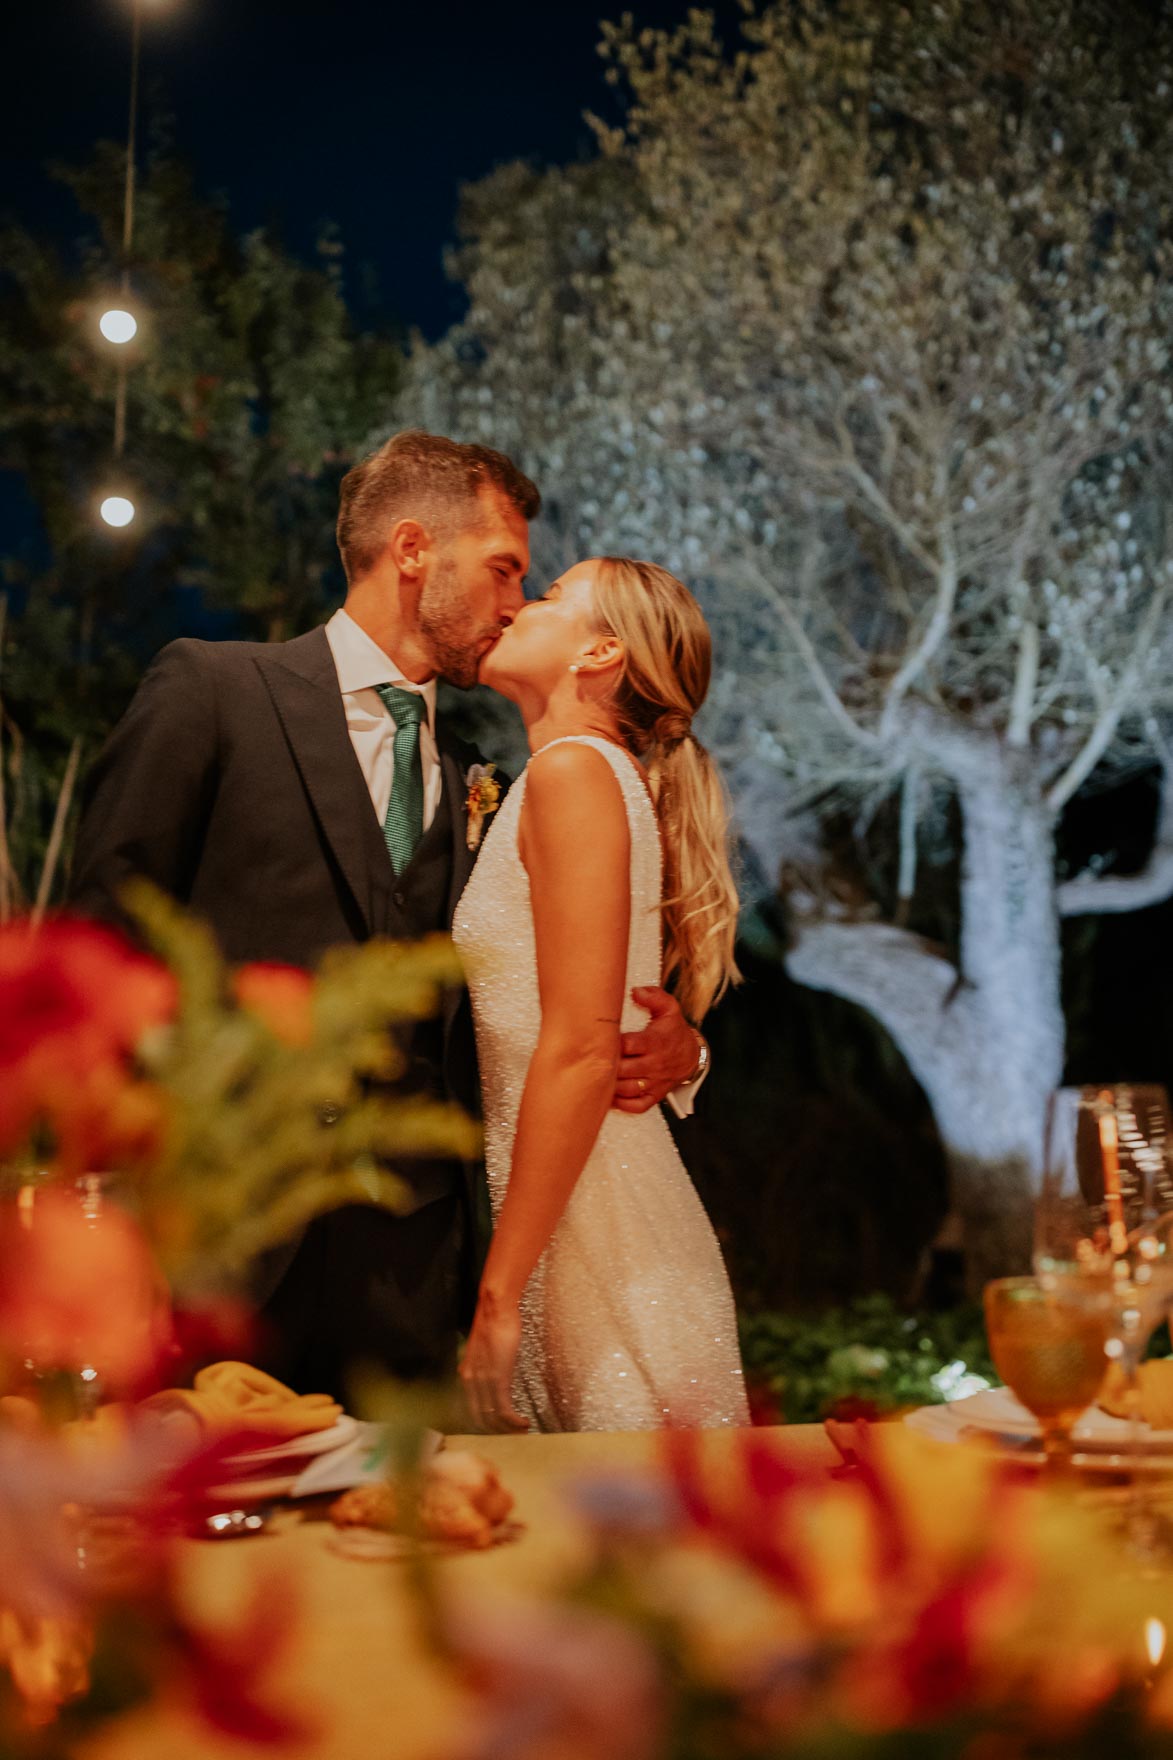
x,y
744,1604
226,1108
163,1122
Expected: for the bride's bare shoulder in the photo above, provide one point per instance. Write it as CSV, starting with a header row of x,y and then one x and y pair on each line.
x,y
571,788
566,758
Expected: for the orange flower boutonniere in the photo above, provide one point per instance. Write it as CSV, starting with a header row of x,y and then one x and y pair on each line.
x,y
484,797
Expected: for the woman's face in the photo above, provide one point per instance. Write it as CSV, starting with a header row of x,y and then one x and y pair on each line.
x,y
546,637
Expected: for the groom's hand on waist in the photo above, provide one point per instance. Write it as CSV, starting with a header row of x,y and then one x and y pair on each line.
x,y
660,1057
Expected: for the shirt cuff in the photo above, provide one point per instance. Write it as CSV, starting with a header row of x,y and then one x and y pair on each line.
x,y
682,1100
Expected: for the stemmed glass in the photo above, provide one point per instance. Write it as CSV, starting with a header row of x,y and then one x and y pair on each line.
x,y
1049,1348
1104,1223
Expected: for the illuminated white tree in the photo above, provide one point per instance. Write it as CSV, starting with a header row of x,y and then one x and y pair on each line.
x,y
866,329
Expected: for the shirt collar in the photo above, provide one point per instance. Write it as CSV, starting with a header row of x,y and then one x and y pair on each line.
x,y
361,664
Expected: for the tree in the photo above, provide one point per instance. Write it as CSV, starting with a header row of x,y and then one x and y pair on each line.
x,y
868,332
248,387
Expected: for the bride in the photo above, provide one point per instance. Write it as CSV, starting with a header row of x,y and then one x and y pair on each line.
x,y
604,1303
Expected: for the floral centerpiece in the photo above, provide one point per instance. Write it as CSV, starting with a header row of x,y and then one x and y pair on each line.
x,y
163,1121
741,1603
229,1106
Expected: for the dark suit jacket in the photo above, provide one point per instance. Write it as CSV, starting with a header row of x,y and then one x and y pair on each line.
x,y
232,783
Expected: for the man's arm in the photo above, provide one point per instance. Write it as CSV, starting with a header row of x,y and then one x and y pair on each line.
x,y
667,1059
148,795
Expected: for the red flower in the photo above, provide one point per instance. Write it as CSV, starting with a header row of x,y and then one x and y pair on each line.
x,y
70,976
224,1670
281,996
75,1000
924,1594
753,1520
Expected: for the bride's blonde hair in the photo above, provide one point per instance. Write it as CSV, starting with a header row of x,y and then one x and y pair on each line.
x,y
668,657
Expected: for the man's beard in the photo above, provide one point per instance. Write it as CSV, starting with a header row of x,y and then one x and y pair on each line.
x,y
454,642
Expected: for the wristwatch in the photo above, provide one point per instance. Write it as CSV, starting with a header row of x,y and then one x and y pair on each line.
x,y
702,1060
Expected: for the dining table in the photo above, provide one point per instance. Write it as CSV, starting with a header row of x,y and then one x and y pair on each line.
x,y
357,1669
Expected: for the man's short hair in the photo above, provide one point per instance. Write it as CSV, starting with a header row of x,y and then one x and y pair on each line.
x,y
422,476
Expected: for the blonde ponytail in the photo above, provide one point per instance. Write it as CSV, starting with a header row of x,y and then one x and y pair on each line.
x,y
667,665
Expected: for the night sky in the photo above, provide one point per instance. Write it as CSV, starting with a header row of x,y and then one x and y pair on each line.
x,y
369,113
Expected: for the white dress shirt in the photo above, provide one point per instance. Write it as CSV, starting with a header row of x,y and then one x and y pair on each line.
x,y
361,665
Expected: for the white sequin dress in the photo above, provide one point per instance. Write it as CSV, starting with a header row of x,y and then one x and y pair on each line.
x,y
628,1321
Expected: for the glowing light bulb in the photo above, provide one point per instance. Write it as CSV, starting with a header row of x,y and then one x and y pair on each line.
x,y
1154,1640
116,510
118,326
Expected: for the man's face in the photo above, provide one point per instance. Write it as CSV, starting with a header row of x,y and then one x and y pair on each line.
x,y
473,589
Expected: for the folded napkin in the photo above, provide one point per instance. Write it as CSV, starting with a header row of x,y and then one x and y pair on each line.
x,y
1154,1386
237,1396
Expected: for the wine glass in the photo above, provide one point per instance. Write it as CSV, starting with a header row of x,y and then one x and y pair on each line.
x,y
1104,1221
1049,1348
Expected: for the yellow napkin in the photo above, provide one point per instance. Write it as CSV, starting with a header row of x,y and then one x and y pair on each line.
x,y
236,1396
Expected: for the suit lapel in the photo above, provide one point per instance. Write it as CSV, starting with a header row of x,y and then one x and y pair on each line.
x,y
456,790
303,684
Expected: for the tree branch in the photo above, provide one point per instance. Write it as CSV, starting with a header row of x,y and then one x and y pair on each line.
x,y
1026,675
872,493
911,990
935,632
57,834
1104,730
806,648
1090,894
910,799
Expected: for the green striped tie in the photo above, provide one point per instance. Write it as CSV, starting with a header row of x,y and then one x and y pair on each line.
x,y
404,825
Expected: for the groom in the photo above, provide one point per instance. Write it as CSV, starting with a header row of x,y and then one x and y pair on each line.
x,y
303,795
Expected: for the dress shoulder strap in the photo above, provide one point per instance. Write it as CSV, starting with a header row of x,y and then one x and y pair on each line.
x,y
627,772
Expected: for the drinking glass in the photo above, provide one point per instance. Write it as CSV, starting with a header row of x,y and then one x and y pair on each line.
x,y
1104,1221
1049,1348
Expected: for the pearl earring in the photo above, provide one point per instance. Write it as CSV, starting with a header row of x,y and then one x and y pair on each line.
x,y
574,666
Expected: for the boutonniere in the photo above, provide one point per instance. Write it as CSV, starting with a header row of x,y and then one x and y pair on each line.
x,y
484,797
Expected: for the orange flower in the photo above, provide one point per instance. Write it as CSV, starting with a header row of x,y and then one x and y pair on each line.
x,y
80,1290
280,996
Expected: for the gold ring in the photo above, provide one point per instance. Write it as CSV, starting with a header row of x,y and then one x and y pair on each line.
x,y
642,1085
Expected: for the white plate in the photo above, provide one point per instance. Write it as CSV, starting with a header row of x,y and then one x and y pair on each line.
x,y
997,1410
296,1448
943,1424
330,1471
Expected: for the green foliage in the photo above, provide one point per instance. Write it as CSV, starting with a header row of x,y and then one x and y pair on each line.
x,y
266,1130
869,1353
248,385
248,388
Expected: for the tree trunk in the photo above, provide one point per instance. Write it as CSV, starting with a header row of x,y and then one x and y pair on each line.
x,y
991,1110
986,1041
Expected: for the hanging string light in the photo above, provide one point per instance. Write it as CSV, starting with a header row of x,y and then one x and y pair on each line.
x,y
117,324
117,510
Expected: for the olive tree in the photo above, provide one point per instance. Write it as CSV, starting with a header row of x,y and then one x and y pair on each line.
x,y
865,327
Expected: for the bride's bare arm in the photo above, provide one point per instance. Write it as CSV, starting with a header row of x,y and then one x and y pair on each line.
x,y
575,844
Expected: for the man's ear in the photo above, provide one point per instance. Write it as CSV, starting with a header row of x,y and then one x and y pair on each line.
x,y
408,547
